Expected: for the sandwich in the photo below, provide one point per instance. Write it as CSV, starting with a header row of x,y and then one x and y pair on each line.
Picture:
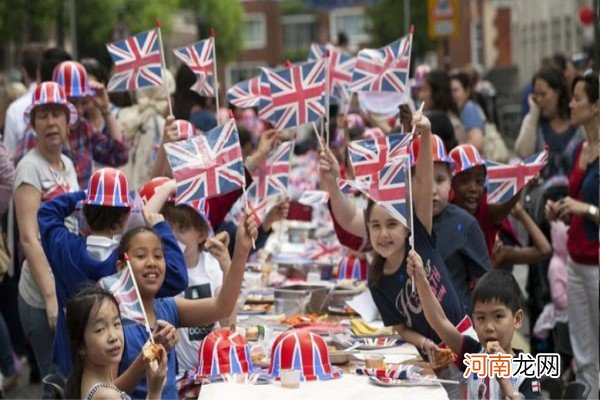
x,y
151,353
222,237
442,358
489,347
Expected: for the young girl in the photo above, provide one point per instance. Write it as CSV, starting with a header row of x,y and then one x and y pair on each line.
x,y
96,341
146,255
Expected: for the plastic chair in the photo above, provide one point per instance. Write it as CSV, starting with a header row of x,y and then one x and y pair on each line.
x,y
577,390
54,385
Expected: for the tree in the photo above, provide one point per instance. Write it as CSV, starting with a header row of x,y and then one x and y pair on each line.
x,y
226,16
26,20
386,24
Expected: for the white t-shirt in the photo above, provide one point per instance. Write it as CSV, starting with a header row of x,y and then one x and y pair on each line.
x,y
100,247
204,280
15,125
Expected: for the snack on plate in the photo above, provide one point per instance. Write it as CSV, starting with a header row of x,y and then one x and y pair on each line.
x,y
222,237
303,319
151,353
441,358
489,347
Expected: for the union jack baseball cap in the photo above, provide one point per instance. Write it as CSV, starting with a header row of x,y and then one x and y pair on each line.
x,y
108,187
50,93
305,351
224,352
72,76
185,129
465,156
437,147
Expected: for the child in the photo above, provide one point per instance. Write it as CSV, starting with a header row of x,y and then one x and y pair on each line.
x,y
76,261
96,341
506,256
468,185
497,313
147,258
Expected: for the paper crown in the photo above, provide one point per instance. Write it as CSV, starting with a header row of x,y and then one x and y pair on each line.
x,y
224,352
465,157
50,93
437,147
108,187
305,351
72,77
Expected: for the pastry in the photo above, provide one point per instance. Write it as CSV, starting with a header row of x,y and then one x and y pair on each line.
x,y
151,353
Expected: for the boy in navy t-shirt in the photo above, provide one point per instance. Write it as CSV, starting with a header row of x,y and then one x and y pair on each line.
x,y
496,313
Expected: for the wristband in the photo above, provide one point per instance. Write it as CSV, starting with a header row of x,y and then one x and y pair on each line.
x,y
593,210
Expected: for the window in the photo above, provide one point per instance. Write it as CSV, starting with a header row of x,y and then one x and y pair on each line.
x,y
352,22
240,71
568,29
557,35
254,31
299,31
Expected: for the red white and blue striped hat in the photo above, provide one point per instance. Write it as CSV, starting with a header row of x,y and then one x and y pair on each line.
x,y
305,351
50,93
185,129
465,156
224,352
72,76
353,267
108,187
437,147
149,188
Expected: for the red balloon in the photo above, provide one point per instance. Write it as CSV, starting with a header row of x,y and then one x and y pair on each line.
x,y
586,15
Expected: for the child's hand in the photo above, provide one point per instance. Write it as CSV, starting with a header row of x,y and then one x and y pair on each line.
x,y
550,210
219,251
247,232
156,379
421,122
165,334
329,169
518,210
170,133
151,218
277,213
493,347
414,266
405,116
499,252
268,141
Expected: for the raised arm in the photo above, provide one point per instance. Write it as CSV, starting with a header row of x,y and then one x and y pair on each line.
x,y
525,144
422,189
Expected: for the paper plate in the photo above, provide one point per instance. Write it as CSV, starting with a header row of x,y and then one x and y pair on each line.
x,y
389,382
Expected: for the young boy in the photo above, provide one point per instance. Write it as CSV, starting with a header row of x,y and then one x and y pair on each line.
x,y
76,261
496,313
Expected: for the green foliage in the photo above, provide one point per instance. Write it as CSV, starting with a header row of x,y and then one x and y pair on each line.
x,y
296,7
387,24
226,16
26,20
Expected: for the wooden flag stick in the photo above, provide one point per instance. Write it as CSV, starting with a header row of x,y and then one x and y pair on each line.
x,y
318,137
213,34
327,100
163,68
137,291
411,238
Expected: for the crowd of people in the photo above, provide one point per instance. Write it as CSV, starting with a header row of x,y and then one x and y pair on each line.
x,y
74,157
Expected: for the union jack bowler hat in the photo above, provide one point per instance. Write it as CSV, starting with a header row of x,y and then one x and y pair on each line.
x,y
50,93
305,351
224,352
108,187
437,147
465,156
185,129
73,78
149,188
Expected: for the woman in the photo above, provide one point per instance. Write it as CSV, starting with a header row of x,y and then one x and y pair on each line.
x,y
42,174
547,123
580,209
472,116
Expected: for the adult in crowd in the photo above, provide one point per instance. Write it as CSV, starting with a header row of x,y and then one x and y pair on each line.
x,y
547,123
580,210
188,104
472,116
42,174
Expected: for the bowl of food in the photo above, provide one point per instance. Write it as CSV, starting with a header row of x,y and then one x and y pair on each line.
x,y
338,357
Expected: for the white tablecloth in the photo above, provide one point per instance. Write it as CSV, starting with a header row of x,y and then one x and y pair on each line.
x,y
348,387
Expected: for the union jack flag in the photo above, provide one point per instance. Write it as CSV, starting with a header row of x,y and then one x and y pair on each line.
x,y
325,252
137,62
368,156
207,166
271,177
505,181
387,188
312,197
384,69
353,267
348,186
265,104
259,207
200,58
298,94
56,188
121,285
245,94
340,67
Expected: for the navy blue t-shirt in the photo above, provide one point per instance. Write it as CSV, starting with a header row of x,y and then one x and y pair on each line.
x,y
461,244
396,301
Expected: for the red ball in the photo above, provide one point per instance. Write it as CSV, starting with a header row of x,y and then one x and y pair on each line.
x,y
586,15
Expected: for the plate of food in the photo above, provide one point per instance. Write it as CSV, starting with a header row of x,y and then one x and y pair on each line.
x,y
388,382
376,343
260,297
341,310
254,309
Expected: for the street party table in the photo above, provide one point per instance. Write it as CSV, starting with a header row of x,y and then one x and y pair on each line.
x,y
348,387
